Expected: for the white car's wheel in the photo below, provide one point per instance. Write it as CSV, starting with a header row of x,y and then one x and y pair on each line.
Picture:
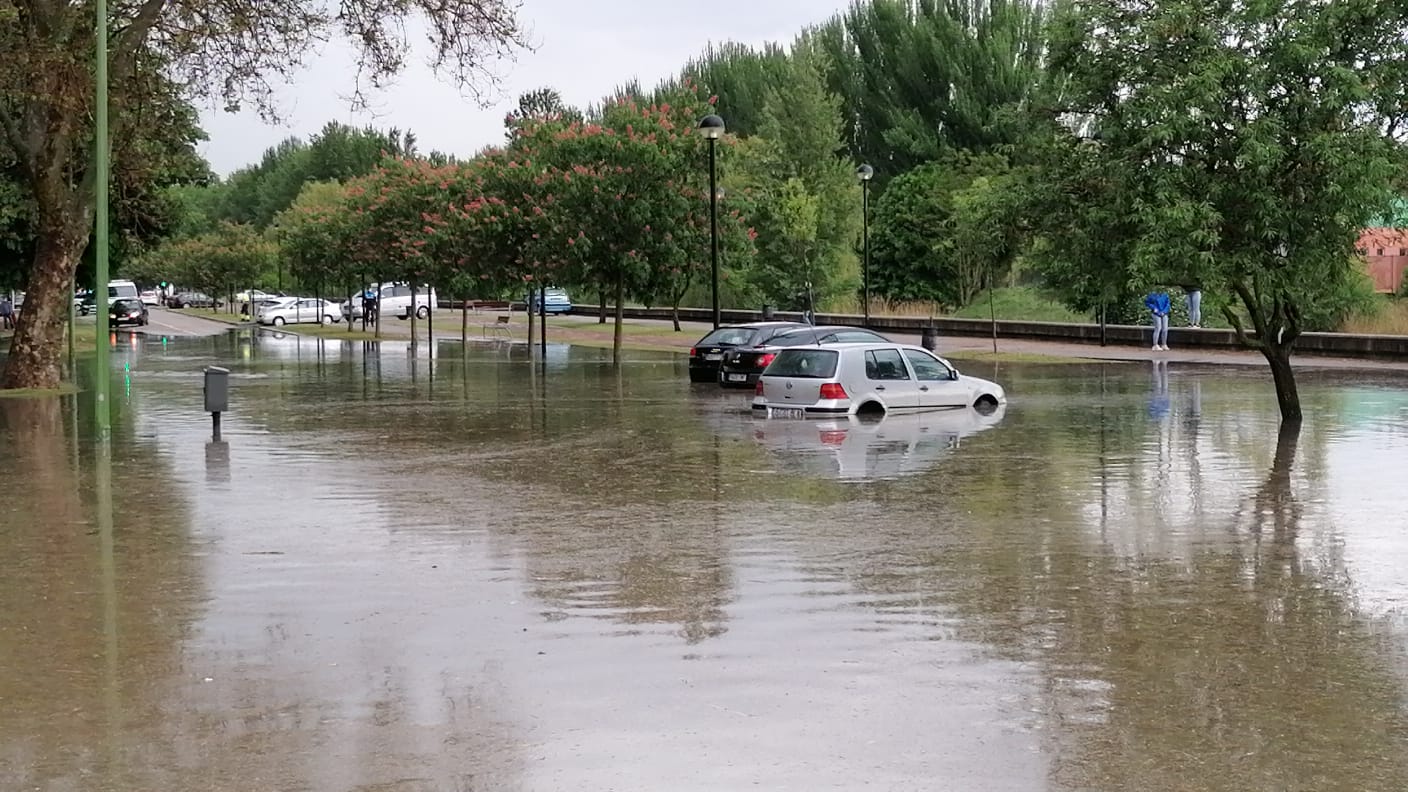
x,y
327,320
422,312
278,321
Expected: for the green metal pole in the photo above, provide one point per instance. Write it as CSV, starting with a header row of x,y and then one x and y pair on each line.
x,y
102,419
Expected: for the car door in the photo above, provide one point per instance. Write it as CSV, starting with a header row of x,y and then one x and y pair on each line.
x,y
938,384
891,379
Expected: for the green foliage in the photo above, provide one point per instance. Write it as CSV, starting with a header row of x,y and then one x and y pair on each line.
x,y
740,78
1021,303
804,197
945,230
918,80
1245,148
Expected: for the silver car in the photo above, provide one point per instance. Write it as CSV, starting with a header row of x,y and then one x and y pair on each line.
x,y
864,379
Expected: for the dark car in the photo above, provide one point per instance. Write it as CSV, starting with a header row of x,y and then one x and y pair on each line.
x,y
190,300
708,352
742,366
128,310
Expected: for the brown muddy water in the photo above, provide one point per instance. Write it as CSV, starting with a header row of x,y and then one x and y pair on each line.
x,y
473,572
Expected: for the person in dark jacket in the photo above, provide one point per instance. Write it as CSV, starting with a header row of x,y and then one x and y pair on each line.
x,y
1158,304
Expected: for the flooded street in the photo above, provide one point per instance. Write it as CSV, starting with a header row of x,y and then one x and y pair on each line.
x,y
471,572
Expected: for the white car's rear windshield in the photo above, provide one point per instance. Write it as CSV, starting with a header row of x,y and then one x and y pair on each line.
x,y
810,362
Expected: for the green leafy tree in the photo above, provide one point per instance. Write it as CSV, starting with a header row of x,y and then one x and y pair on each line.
x,y
229,50
312,235
1255,141
805,197
945,230
918,80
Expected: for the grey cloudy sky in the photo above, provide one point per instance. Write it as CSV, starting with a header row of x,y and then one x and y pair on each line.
x,y
584,49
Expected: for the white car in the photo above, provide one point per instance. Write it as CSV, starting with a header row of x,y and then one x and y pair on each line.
x,y
150,297
395,301
863,379
264,303
306,310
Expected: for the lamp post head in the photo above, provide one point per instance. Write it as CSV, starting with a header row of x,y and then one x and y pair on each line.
x,y
865,173
711,126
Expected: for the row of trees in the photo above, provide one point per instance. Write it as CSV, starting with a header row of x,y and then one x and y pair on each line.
x,y
1240,150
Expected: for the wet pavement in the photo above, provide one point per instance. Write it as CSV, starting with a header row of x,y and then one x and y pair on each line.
x,y
466,571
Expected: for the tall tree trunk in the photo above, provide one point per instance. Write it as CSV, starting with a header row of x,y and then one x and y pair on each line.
x,y
675,315
36,352
1287,394
601,309
464,322
620,320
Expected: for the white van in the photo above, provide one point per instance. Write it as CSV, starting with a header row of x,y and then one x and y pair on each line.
x,y
395,299
119,289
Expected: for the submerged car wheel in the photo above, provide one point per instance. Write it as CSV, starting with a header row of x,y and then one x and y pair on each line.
x,y
871,409
985,405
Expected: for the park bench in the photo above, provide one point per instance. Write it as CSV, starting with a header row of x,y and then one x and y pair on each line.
x,y
500,310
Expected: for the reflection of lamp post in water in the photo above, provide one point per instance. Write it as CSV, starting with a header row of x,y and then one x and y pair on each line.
x,y
107,571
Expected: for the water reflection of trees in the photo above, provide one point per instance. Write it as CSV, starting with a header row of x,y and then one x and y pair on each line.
x,y
1224,659
90,623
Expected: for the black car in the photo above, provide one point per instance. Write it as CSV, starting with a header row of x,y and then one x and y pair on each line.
x,y
708,352
190,300
742,365
127,310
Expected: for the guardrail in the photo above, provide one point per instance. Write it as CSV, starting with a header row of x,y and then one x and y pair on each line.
x,y
1384,347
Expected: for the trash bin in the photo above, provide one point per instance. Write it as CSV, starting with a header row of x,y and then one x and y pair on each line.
x,y
929,338
217,389
767,312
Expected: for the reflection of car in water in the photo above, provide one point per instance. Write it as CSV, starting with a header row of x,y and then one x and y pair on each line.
x,y
852,448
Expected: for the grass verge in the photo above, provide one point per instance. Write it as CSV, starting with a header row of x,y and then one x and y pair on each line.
x,y
979,356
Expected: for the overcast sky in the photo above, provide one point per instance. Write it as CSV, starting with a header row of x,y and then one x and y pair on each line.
x,y
584,50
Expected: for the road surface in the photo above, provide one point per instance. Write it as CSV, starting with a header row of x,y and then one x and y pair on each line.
x,y
172,323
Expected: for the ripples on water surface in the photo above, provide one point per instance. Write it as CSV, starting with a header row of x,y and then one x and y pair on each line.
x,y
469,572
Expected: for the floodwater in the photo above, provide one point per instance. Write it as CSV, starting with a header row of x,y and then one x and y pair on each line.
x,y
458,571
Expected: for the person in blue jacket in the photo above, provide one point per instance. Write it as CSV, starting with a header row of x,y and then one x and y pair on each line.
x,y
1158,304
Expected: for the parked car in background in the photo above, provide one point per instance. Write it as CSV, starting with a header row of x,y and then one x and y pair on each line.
x,y
707,354
150,297
858,379
305,310
190,300
85,303
394,300
122,290
556,301
267,303
741,367
127,311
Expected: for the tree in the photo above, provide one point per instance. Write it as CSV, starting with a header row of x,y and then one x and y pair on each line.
x,y
805,195
944,231
921,79
230,258
312,235
1255,140
228,50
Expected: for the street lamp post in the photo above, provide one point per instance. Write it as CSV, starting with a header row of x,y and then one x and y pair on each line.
x,y
102,417
865,173
712,127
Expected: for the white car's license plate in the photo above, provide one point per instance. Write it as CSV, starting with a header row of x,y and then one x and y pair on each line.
x,y
738,378
785,412
715,356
